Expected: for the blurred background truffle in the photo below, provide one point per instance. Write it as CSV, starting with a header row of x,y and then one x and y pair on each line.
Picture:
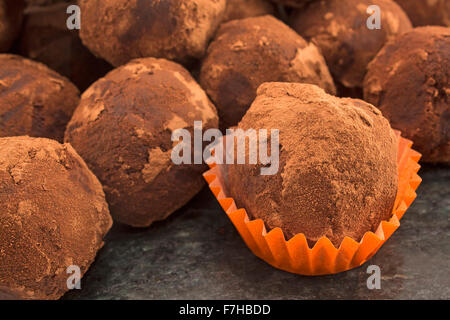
x,y
121,30
34,100
427,12
245,53
409,80
337,172
53,215
11,15
339,29
46,38
123,127
240,9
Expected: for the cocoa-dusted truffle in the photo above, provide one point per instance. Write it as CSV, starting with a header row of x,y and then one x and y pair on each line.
x,y
34,100
123,127
46,38
11,15
339,29
409,80
240,9
121,30
248,52
53,215
424,13
337,173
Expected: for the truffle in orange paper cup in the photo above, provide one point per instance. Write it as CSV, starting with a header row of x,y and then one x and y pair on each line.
x,y
343,182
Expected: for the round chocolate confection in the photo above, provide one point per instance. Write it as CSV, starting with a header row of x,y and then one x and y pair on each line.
x,y
46,38
34,100
11,15
120,30
337,174
248,52
339,28
409,80
123,127
427,12
53,215
241,9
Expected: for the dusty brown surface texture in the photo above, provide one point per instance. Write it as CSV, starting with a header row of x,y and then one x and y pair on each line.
x,y
120,30
409,81
339,29
248,52
34,100
337,172
53,214
123,127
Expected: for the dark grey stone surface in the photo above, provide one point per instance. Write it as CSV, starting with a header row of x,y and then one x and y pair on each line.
x,y
197,254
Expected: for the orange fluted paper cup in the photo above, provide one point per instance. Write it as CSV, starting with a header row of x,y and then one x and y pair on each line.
x,y
294,255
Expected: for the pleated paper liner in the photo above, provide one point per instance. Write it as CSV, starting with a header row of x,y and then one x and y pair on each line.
x,y
294,255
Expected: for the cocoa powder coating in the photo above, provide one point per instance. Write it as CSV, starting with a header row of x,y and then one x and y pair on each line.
x,y
248,52
123,127
53,215
120,30
339,29
34,100
409,80
337,172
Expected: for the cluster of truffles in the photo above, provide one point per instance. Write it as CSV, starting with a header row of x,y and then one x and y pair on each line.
x,y
339,29
148,68
249,52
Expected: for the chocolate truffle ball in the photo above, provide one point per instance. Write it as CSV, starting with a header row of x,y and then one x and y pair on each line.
x,y
11,14
53,215
339,29
123,127
248,52
337,173
120,30
34,100
427,12
46,38
240,9
409,80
